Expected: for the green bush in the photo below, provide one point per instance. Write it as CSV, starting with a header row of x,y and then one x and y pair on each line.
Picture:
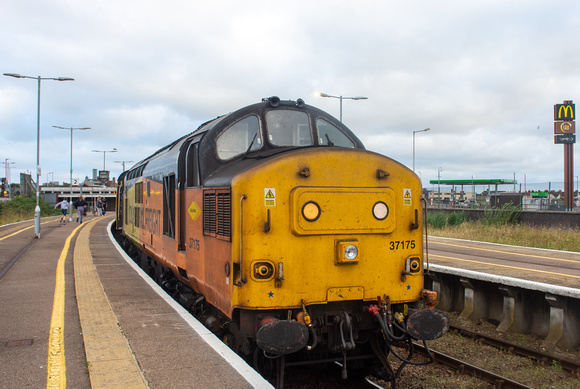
x,y
436,219
508,214
22,208
444,219
456,218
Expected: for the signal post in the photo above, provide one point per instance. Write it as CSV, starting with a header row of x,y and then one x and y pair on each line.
x,y
565,133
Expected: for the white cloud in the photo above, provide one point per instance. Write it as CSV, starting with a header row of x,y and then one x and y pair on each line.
x,y
482,75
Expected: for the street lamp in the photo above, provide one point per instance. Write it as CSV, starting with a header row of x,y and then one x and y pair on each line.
x,y
439,186
104,153
342,98
71,155
414,132
37,209
123,162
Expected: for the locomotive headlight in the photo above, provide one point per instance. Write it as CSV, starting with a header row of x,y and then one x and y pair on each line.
x,y
380,210
351,252
347,252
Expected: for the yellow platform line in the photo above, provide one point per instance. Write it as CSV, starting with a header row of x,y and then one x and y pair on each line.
x,y
505,252
110,360
56,364
504,266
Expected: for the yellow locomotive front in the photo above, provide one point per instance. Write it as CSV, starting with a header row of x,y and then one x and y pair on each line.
x,y
277,229
325,225
327,249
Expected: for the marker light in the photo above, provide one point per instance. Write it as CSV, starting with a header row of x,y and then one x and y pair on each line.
x,y
412,265
311,211
262,270
380,210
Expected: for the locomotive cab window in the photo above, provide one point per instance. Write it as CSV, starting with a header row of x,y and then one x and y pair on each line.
x,y
239,138
330,135
288,128
192,167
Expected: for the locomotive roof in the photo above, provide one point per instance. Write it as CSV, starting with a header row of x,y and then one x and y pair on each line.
x,y
258,131
273,119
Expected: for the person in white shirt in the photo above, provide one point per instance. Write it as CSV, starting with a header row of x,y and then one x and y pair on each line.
x,y
64,206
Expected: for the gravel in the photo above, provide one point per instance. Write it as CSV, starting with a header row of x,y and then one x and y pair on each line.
x,y
520,369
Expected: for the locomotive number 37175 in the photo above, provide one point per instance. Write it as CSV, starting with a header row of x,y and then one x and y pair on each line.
x,y
402,244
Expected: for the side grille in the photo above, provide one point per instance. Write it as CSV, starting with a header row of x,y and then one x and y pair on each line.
x,y
217,214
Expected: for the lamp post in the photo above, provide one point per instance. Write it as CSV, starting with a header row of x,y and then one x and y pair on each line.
x,y
414,132
104,153
123,162
473,188
71,155
439,186
37,209
342,98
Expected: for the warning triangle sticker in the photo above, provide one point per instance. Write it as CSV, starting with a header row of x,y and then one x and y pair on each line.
x,y
269,195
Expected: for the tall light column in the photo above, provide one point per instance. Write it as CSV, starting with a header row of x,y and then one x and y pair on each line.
x,y
123,162
439,186
71,155
414,132
104,153
342,98
37,209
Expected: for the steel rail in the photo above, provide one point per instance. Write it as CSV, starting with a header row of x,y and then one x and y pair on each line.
x,y
472,370
539,356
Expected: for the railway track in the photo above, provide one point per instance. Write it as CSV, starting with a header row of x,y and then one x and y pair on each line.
x,y
571,367
474,371
538,356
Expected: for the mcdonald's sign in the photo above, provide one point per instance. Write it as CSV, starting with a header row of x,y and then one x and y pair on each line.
x,y
564,111
562,127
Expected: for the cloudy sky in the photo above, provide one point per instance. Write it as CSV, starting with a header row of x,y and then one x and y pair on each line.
x,y
483,75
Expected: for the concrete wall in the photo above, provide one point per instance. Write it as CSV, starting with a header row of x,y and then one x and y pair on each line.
x,y
552,314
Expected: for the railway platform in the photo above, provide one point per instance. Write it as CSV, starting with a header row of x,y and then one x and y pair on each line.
x,y
522,289
76,311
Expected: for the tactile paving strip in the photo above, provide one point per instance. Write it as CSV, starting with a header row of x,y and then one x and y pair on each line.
x,y
110,360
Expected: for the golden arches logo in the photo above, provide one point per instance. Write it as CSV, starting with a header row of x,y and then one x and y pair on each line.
x,y
568,110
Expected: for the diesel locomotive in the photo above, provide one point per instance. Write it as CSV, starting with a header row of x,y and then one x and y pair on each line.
x,y
287,238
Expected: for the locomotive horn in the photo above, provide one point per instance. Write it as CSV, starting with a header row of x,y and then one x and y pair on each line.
x,y
300,103
274,101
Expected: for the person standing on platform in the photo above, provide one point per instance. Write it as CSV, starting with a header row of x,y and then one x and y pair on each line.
x,y
99,206
64,206
104,206
80,204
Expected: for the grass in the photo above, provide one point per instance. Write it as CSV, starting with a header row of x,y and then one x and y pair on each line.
x,y
22,208
503,229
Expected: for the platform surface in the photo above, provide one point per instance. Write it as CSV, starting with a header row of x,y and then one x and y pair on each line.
x,y
74,311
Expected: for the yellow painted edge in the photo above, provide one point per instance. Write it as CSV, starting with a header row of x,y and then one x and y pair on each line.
x,y
56,365
17,232
504,266
505,252
24,229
